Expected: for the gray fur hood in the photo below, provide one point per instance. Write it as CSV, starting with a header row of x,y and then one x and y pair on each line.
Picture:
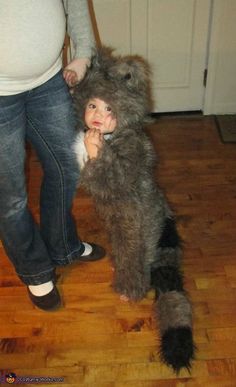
x,y
122,82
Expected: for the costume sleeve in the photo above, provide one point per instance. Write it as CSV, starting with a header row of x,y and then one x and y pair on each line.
x,y
117,165
79,27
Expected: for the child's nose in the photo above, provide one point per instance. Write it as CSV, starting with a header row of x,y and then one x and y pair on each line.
x,y
99,113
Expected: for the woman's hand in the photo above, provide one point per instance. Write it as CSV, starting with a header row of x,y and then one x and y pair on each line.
x,y
93,141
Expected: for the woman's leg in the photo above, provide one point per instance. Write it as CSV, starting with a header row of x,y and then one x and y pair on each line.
x,y
18,231
51,127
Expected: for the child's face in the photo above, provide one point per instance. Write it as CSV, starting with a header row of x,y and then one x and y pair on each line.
x,y
98,115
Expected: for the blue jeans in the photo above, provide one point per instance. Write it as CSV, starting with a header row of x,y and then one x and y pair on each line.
x,y
46,118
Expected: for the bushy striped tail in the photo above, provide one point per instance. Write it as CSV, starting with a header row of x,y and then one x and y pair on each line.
x,y
173,308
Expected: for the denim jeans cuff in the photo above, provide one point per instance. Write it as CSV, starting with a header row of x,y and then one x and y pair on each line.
x,y
38,279
70,258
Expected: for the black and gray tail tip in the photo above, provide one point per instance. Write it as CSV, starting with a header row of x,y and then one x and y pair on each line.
x,y
177,348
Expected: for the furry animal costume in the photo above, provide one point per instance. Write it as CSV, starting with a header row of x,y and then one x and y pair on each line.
x,y
145,244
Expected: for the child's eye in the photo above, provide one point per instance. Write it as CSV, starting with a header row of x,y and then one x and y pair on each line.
x,y
91,106
108,108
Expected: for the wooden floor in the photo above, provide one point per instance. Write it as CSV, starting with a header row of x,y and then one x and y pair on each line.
x,y
95,340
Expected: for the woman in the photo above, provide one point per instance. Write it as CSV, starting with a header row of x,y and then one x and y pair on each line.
x,y
36,105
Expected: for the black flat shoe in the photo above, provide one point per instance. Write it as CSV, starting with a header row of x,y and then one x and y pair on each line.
x,y
49,302
97,253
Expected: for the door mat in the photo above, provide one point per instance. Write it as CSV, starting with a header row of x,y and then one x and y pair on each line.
x,y
226,125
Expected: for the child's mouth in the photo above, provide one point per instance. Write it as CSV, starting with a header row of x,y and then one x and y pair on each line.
x,y
96,123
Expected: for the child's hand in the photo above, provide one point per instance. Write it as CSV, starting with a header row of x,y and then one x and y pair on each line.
x,y
93,141
70,77
110,124
75,71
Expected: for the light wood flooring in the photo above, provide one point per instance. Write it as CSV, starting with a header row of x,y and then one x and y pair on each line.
x,y
96,340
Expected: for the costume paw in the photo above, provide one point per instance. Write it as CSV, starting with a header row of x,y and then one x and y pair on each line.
x,y
124,298
130,291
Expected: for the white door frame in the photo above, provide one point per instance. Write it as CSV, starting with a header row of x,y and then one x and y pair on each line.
x,y
220,93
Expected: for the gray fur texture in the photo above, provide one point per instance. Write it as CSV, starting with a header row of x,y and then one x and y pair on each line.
x,y
126,194
174,311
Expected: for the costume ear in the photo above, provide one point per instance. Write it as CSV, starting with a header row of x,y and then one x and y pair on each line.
x,y
103,59
134,71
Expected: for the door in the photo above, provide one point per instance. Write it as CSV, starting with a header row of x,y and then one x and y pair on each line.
x,y
171,34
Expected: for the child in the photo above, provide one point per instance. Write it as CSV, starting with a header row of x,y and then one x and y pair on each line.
x,y
100,123
117,167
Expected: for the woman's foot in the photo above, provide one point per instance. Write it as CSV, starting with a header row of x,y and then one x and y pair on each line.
x,y
42,289
45,296
92,252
